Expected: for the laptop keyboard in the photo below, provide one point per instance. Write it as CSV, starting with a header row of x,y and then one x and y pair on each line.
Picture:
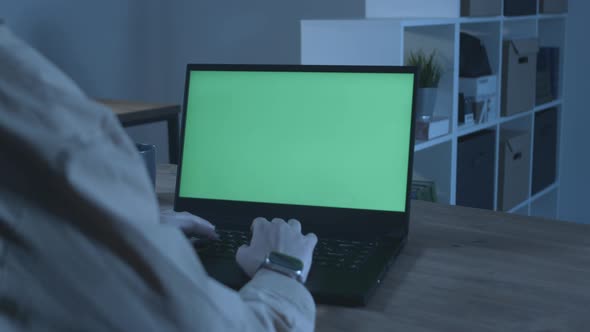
x,y
342,254
331,253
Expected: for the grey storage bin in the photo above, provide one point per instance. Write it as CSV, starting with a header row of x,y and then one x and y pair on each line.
x,y
520,7
475,8
545,150
475,170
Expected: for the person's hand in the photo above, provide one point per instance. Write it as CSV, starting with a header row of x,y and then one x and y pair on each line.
x,y
280,236
188,223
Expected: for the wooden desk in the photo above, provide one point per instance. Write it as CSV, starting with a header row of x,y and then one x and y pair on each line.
x,y
471,270
136,113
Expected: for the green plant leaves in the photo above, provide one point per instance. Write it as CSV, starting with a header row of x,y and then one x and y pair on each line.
x,y
429,70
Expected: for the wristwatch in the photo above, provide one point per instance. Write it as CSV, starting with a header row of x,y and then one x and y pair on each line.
x,y
284,264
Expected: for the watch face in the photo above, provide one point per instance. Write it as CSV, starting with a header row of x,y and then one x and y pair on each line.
x,y
286,261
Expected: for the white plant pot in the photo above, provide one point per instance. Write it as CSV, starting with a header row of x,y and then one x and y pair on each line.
x,y
426,101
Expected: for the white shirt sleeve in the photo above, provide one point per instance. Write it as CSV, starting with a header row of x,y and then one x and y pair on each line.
x,y
81,247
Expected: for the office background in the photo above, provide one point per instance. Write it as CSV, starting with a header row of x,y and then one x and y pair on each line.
x,y
137,50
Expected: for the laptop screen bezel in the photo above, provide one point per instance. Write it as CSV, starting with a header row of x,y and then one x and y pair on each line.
x,y
324,221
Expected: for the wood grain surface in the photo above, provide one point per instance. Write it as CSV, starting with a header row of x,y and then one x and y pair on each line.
x,y
471,270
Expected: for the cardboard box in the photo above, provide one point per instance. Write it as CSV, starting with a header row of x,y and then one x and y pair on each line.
x,y
514,169
553,6
519,71
481,8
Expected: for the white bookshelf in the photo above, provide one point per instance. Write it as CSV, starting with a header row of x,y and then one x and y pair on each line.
x,y
388,41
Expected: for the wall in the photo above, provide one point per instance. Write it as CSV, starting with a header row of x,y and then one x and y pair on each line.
x,y
575,151
138,49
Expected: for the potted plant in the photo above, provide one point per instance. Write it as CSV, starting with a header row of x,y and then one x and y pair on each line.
x,y
429,73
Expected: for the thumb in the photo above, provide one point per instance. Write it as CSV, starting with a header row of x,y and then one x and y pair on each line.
x,y
188,223
200,226
246,260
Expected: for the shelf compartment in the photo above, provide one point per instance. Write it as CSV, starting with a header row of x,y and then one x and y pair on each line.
x,y
435,164
439,39
478,91
475,170
550,62
545,150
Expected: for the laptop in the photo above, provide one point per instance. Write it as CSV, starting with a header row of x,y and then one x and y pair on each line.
x,y
330,146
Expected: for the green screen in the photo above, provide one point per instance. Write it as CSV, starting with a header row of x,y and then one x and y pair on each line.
x,y
320,139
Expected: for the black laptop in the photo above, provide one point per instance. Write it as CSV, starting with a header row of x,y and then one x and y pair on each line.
x,y
330,146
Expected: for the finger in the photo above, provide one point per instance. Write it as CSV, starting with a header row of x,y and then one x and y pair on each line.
x,y
198,231
258,223
196,225
242,258
311,238
246,260
295,224
242,252
278,221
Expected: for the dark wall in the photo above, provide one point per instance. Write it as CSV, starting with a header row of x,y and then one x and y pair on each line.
x,y
138,49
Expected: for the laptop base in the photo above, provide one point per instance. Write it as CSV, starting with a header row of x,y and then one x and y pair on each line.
x,y
327,285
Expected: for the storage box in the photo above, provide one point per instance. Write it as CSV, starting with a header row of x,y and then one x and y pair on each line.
x,y
520,7
553,6
474,61
478,86
519,75
514,169
414,8
545,150
430,127
481,7
475,170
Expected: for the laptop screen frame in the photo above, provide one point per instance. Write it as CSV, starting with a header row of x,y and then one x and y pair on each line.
x,y
324,221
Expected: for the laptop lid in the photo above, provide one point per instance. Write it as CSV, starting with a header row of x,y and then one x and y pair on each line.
x,y
331,146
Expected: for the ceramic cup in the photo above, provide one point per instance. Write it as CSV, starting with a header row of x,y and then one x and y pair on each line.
x,y
148,154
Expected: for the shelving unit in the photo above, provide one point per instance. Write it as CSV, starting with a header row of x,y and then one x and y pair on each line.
x,y
389,41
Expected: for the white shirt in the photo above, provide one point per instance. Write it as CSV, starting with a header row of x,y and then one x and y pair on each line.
x,y
81,245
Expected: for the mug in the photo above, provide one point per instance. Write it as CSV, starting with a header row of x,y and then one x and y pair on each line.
x,y
148,154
